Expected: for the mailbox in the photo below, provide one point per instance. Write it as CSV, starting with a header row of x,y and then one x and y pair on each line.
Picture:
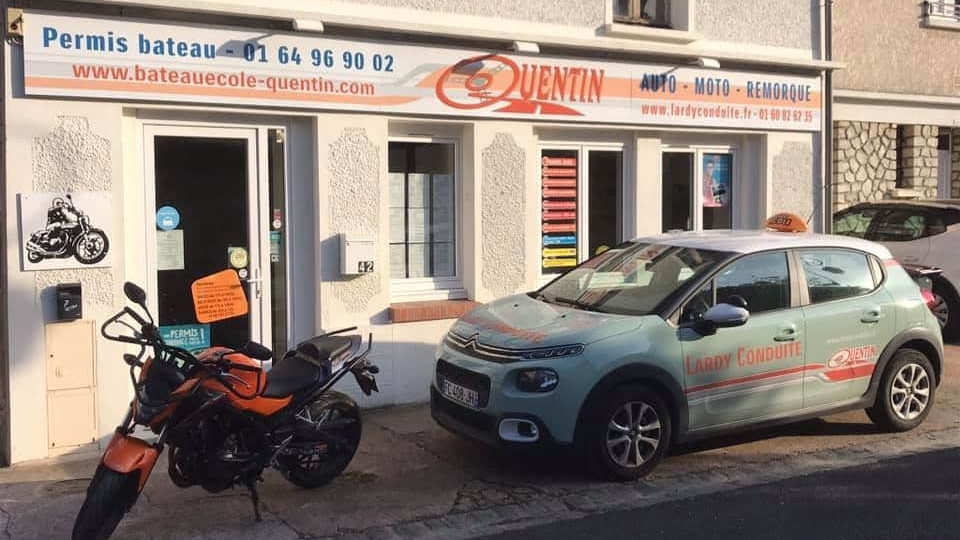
x,y
357,254
69,302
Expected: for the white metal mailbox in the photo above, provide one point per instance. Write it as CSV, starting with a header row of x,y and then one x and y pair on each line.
x,y
357,254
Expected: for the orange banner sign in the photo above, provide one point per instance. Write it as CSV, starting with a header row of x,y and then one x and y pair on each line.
x,y
219,296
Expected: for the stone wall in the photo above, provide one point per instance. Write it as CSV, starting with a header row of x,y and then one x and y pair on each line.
x,y
918,159
864,161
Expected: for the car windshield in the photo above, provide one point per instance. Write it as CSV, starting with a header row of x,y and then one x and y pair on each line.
x,y
632,279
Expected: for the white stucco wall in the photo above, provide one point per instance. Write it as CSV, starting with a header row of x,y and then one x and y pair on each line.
x,y
793,183
59,145
779,23
574,13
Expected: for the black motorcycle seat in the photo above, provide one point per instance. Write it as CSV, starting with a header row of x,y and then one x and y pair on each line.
x,y
304,366
324,348
289,376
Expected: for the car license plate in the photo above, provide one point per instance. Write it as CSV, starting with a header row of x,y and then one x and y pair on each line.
x,y
459,393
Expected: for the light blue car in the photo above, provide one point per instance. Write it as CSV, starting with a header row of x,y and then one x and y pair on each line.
x,y
682,336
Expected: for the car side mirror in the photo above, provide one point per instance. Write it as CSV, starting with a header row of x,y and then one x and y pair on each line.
x,y
722,315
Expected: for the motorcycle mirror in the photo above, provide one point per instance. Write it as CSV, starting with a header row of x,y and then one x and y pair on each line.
x,y
134,293
257,351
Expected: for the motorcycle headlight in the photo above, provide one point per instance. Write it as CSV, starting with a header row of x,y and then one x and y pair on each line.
x,y
537,380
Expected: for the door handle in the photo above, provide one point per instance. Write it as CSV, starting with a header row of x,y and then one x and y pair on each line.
x,y
871,316
787,333
255,281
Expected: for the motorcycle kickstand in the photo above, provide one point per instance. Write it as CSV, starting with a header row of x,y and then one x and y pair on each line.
x,y
255,497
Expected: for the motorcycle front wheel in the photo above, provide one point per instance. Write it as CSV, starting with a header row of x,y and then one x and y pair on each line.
x,y
338,415
91,247
109,496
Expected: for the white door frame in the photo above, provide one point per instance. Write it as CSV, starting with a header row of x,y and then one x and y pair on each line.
x,y
698,151
583,150
258,287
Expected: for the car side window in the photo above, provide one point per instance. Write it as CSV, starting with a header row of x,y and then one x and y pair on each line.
x,y
762,279
900,225
854,221
835,274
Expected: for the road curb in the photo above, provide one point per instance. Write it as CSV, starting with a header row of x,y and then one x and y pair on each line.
x,y
612,497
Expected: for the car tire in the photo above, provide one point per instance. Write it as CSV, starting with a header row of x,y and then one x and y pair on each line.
x,y
628,433
906,392
951,330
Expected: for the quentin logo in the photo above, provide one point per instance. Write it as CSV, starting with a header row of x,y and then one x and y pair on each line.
x,y
488,80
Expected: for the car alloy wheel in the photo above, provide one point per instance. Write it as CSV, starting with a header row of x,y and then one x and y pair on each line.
x,y
910,392
941,310
633,434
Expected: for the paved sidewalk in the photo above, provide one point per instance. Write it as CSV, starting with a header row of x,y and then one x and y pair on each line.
x,y
411,479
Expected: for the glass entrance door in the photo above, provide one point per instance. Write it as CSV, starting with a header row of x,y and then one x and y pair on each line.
x,y
210,216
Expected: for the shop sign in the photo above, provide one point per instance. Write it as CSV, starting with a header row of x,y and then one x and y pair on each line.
x,y
137,61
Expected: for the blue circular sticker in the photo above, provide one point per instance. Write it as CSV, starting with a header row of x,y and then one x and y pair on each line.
x,y
168,218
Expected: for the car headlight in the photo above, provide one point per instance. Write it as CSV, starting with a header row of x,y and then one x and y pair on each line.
x,y
537,380
552,352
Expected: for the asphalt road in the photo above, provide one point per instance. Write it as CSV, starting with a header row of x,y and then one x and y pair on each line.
x,y
915,497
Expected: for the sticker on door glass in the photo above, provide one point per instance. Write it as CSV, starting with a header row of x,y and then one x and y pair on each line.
x,y
238,257
186,336
274,246
219,296
167,218
170,250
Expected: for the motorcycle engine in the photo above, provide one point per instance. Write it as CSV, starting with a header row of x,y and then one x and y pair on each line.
x,y
211,454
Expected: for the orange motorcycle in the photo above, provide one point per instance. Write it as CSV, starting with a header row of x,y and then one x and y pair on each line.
x,y
224,418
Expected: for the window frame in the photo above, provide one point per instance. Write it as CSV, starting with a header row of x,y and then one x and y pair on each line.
x,y
872,263
935,14
435,288
583,149
698,151
794,280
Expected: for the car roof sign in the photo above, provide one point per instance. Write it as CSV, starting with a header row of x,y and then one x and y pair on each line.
x,y
786,222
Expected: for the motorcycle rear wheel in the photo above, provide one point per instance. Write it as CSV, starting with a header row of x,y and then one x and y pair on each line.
x,y
309,473
109,496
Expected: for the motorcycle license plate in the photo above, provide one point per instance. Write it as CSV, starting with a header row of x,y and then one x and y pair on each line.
x,y
460,393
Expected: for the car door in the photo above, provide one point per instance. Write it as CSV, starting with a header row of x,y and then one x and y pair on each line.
x,y
903,229
852,318
751,371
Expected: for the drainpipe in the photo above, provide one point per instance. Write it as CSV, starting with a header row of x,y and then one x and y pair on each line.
x,y
5,445
828,184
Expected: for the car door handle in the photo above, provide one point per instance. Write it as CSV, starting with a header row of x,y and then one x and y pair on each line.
x,y
787,333
871,315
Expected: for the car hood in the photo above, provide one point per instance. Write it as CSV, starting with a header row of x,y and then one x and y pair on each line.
x,y
521,322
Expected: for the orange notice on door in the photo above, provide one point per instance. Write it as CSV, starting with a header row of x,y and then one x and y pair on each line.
x,y
219,296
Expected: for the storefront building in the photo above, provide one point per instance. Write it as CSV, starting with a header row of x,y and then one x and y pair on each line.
x,y
369,163
896,104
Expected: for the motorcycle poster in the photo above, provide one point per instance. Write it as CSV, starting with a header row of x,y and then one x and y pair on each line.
x,y
65,230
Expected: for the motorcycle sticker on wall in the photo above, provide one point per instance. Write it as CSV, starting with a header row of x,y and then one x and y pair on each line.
x,y
65,230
